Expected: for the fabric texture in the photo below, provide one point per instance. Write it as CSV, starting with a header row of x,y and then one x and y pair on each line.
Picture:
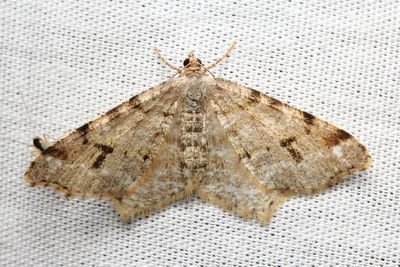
x,y
73,60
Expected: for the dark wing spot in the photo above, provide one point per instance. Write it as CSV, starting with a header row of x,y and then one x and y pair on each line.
x,y
275,102
167,114
242,107
343,135
232,132
85,141
308,118
105,150
336,137
63,187
287,143
134,101
295,154
113,112
255,96
145,157
55,153
83,129
99,160
362,147
246,154
182,164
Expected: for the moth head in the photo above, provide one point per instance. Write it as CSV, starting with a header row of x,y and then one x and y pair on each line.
x,y
192,62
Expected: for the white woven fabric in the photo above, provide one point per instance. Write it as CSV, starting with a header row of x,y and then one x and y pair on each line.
x,y
73,60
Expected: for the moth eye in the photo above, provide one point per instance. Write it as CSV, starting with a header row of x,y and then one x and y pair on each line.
x,y
185,62
198,60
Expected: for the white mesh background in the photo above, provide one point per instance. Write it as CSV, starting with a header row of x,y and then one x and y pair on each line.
x,y
73,60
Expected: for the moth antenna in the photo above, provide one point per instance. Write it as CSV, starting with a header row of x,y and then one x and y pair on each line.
x,y
179,71
36,147
39,144
30,121
16,141
212,74
164,60
226,54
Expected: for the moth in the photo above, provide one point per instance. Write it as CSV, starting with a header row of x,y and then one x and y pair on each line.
x,y
197,134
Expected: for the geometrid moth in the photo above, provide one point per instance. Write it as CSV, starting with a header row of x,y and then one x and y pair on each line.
x,y
196,134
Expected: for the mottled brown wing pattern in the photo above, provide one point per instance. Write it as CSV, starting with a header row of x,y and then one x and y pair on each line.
x,y
163,181
228,184
283,147
104,157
